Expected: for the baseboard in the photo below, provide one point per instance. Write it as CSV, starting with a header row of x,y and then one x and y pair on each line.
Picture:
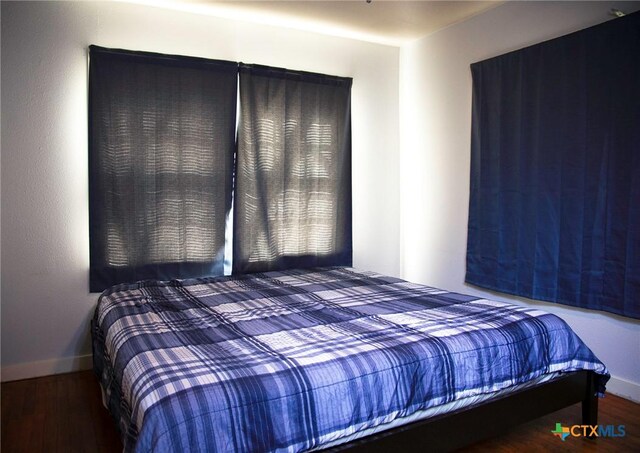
x,y
623,388
46,367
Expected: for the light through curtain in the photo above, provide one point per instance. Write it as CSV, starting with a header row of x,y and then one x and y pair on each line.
x,y
161,144
293,171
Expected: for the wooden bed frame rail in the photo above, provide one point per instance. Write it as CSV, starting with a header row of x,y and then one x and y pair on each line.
x,y
461,428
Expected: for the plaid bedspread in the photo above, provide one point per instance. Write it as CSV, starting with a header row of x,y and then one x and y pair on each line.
x,y
287,361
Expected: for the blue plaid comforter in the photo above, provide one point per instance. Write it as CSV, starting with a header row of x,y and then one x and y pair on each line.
x,y
288,361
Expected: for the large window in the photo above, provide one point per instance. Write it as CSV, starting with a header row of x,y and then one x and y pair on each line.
x,y
162,150
554,212
293,179
162,138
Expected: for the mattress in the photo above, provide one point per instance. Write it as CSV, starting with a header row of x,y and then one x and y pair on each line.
x,y
303,359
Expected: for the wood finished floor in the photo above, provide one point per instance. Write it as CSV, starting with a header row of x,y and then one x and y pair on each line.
x,y
64,413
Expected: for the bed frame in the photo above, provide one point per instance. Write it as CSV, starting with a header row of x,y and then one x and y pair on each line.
x,y
461,428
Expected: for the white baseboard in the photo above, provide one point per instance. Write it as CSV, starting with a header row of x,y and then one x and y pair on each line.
x,y
623,388
46,367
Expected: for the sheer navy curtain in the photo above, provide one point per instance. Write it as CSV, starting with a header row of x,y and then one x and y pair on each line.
x,y
554,208
161,144
293,173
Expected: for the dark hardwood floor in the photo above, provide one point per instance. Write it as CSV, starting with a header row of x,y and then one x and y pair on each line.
x,y
61,413
64,413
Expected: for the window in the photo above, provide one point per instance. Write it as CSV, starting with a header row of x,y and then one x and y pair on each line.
x,y
162,150
555,194
162,138
293,179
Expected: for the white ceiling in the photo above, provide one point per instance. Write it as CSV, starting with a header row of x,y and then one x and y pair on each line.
x,y
392,22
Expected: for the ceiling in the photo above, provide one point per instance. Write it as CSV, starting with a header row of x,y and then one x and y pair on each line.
x,y
391,22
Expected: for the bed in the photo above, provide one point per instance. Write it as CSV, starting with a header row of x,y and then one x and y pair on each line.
x,y
328,358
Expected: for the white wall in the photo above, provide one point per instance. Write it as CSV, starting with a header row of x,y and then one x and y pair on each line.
x,y
46,306
435,109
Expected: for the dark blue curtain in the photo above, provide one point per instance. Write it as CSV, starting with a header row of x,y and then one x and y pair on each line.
x,y
293,172
554,210
161,146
